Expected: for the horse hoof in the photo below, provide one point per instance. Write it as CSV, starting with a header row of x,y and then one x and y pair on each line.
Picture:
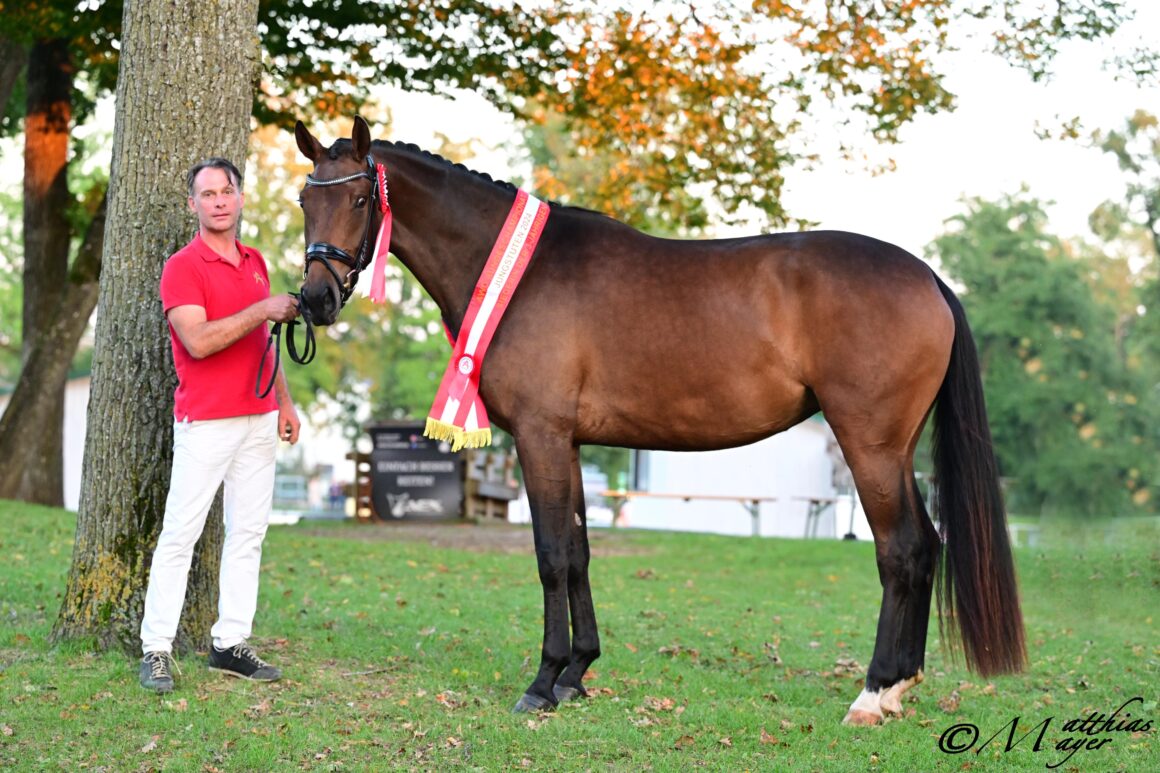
x,y
529,703
563,693
861,718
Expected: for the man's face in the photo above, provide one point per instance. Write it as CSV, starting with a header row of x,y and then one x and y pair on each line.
x,y
216,201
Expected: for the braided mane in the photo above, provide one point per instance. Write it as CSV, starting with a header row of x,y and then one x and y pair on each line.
x,y
343,146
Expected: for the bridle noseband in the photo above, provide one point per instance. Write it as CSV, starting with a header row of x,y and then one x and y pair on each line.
x,y
325,252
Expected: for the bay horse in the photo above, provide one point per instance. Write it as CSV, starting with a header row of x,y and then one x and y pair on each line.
x,y
618,338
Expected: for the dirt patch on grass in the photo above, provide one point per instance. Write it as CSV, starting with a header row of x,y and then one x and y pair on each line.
x,y
477,537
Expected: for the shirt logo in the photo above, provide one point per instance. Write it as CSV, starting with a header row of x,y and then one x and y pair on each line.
x,y
258,278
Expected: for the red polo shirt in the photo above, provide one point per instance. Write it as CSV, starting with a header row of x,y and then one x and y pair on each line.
x,y
221,385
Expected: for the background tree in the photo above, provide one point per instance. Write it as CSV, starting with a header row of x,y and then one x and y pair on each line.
x,y
1133,222
46,42
697,102
162,128
1070,418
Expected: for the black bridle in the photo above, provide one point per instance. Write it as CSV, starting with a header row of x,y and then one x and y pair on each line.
x,y
325,252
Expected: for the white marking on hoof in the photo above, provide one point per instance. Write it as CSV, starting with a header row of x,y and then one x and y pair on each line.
x,y
578,521
866,710
892,697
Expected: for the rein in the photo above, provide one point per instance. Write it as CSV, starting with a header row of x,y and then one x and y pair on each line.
x,y
308,351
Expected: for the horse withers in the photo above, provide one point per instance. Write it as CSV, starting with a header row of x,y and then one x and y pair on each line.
x,y
713,344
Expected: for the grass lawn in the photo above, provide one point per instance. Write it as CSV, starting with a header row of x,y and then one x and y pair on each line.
x,y
720,653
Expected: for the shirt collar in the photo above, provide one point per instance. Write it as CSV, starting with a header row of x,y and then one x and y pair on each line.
x,y
207,253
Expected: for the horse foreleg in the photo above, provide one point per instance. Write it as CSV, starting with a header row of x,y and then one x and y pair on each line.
x,y
546,460
906,546
585,636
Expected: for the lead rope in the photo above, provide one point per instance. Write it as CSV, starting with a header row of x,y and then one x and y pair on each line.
x,y
308,351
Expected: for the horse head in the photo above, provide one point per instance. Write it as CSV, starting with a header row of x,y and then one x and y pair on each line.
x,y
339,205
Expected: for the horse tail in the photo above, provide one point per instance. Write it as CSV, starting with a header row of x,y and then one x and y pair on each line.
x,y
975,586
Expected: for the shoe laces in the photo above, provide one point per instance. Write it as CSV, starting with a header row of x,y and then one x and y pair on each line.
x,y
160,664
244,652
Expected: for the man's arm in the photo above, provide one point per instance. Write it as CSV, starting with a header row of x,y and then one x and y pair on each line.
x,y
202,337
288,422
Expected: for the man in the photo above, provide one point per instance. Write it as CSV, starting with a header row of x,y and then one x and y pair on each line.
x,y
216,296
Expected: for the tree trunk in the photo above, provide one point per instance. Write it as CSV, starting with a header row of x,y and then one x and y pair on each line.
x,y
31,409
46,244
12,60
184,92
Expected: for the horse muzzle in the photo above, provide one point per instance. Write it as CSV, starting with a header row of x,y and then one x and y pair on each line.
x,y
326,295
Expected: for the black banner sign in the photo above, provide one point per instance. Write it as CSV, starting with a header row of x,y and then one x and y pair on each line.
x,y
413,477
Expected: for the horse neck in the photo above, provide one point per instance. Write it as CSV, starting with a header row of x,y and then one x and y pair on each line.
x,y
445,221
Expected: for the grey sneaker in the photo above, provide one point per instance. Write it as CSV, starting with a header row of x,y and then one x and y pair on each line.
x,y
241,661
157,671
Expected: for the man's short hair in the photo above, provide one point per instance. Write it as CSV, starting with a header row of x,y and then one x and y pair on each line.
x,y
215,162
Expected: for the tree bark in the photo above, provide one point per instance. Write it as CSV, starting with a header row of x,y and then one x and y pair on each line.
x,y
47,122
29,411
184,92
13,57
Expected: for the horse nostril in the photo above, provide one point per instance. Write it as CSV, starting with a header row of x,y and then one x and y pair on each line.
x,y
319,299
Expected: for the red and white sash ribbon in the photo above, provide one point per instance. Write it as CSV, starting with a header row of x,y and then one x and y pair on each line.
x,y
382,240
458,414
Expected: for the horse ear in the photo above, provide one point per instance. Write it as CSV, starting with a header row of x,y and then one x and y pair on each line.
x,y
360,138
310,147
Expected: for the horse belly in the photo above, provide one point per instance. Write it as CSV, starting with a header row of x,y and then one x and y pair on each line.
x,y
697,390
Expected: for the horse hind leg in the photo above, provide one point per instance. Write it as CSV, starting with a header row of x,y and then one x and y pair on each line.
x,y
906,546
585,635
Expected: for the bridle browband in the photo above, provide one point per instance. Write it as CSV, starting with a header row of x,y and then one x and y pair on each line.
x,y
325,252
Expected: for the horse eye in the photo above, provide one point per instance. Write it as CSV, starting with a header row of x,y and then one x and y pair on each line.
x,y
360,202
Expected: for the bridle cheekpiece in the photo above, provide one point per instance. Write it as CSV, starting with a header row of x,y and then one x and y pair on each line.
x,y
325,252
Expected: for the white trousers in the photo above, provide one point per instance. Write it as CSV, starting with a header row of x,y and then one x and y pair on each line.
x,y
238,451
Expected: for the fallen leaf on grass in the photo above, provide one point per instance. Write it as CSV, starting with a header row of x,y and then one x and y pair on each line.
x,y
6,730
771,652
659,704
843,666
450,699
950,704
258,709
181,705
767,738
726,742
631,648
684,741
151,745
